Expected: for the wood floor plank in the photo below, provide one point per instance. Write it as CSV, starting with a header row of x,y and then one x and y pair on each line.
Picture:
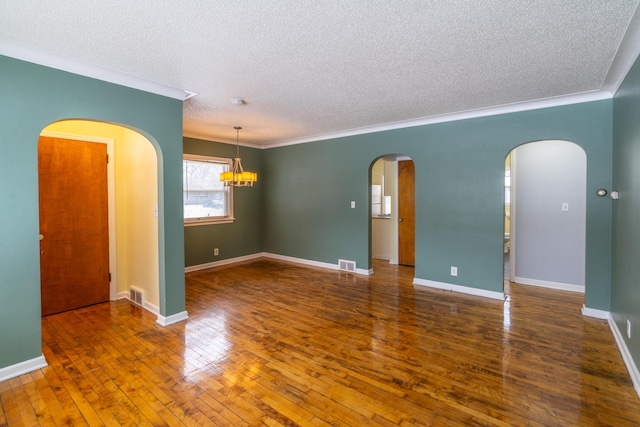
x,y
278,344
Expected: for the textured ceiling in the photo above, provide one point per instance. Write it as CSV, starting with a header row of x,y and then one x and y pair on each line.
x,y
311,68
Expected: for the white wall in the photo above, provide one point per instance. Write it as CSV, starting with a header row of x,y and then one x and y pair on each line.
x,y
549,243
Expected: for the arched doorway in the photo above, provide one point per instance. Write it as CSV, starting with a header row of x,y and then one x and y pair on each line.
x,y
132,206
392,220
545,215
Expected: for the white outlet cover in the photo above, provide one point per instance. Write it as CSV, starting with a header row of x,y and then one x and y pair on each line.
x,y
454,271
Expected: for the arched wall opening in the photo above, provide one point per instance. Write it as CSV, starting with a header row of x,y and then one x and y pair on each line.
x,y
133,206
392,210
545,215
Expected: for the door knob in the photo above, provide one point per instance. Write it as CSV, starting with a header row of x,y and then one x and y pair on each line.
x,y
400,219
41,237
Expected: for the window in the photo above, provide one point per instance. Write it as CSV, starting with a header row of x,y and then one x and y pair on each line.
x,y
205,198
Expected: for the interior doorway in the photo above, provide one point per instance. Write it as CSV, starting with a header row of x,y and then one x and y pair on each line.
x,y
406,213
132,206
393,210
545,215
74,227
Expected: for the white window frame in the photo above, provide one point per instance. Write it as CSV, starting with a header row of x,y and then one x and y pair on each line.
x,y
229,218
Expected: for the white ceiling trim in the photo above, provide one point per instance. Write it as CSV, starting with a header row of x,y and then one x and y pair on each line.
x,y
471,114
58,62
626,56
627,53
222,141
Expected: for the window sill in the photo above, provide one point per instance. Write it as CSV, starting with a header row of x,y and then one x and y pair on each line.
x,y
208,222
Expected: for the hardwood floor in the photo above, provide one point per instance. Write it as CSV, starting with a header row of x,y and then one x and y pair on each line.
x,y
270,343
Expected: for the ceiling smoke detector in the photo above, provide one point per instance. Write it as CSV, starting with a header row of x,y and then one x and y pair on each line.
x,y
238,101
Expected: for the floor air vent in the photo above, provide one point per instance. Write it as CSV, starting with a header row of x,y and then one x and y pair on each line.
x,y
345,265
136,296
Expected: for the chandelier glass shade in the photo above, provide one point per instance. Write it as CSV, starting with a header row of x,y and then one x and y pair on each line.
x,y
238,177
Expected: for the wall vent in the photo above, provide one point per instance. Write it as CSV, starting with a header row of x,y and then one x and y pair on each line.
x,y
136,296
346,265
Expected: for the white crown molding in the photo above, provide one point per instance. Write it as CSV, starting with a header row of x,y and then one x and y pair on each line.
x,y
458,288
557,101
626,55
195,135
58,62
22,368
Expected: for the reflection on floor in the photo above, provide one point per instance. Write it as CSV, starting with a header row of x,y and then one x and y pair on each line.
x,y
273,343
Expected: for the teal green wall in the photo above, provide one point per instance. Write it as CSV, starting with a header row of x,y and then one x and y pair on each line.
x,y
31,97
625,291
244,235
459,193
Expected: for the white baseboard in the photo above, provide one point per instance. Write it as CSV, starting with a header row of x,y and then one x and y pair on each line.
x,y
550,285
191,268
314,263
152,308
174,318
592,312
626,354
223,262
459,288
302,261
22,368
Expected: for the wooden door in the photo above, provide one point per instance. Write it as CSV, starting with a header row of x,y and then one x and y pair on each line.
x,y
406,213
74,230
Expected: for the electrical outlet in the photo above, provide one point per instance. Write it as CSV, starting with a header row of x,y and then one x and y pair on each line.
x,y
216,252
454,271
628,328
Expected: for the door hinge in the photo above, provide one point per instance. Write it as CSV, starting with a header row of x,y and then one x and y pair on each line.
x,y
107,158
109,277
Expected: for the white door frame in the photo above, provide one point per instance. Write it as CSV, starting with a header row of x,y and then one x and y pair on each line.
x,y
512,219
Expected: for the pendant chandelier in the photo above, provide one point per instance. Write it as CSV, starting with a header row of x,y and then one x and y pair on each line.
x,y
238,177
